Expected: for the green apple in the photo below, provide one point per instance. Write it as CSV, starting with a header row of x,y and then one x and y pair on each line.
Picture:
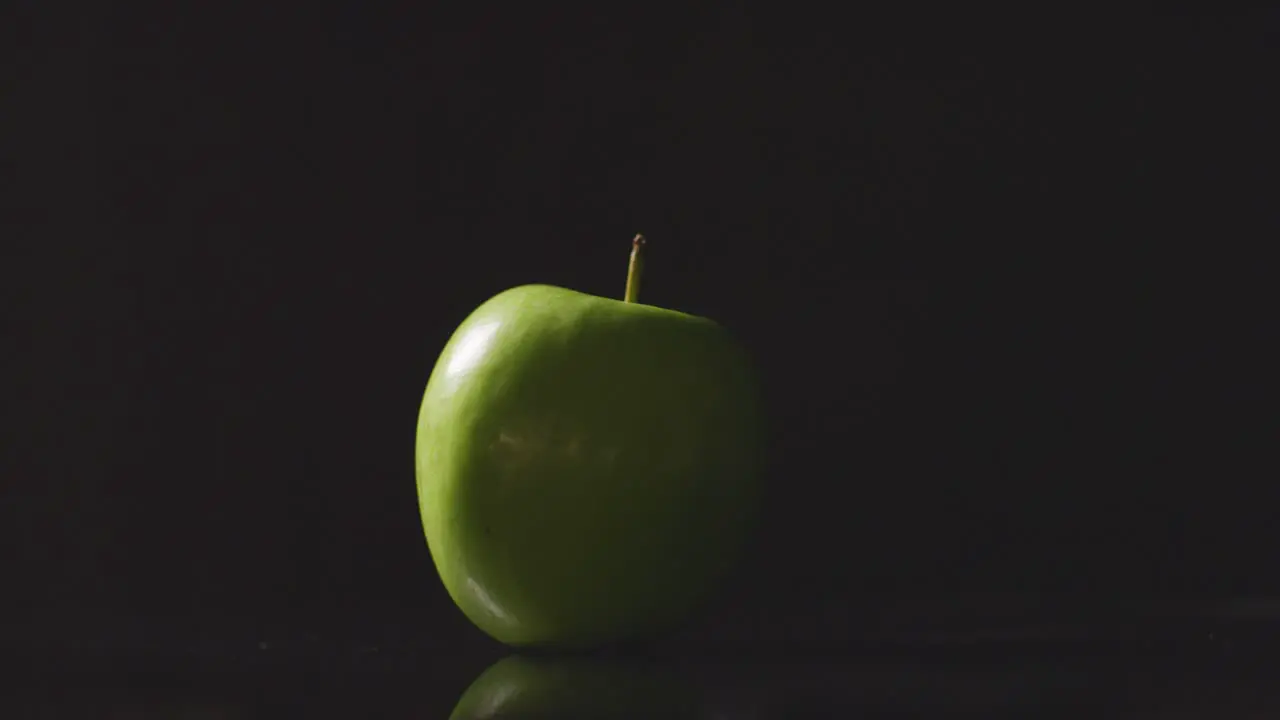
x,y
588,468
520,687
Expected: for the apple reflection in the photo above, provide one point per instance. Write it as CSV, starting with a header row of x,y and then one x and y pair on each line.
x,y
556,687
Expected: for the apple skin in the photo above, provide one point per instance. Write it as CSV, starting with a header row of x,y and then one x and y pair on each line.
x,y
588,469
517,687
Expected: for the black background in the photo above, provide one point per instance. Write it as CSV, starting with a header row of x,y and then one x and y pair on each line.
x,y
1006,279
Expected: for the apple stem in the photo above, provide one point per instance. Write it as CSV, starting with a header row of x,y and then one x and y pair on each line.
x,y
634,269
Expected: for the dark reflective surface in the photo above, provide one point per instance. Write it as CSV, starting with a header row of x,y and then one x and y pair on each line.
x,y
519,687
1184,670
